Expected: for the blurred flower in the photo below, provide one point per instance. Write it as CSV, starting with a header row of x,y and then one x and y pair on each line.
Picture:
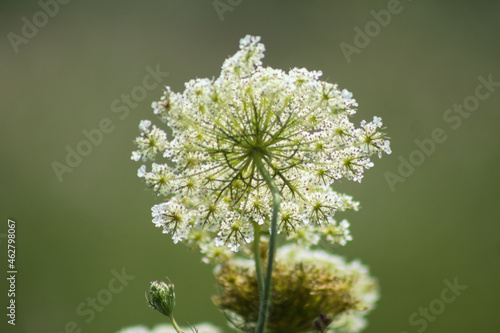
x,y
135,329
313,291
250,121
337,233
167,328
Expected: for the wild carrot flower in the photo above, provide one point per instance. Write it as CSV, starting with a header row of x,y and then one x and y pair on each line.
x,y
226,133
312,288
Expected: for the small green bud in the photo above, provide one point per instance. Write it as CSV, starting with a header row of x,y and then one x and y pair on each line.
x,y
161,296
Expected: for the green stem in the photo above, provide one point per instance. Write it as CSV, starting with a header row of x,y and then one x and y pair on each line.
x,y
256,254
265,298
174,323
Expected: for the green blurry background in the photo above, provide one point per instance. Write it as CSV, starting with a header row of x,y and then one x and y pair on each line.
x,y
442,222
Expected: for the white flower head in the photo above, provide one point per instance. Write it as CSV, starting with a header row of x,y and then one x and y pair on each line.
x,y
174,218
151,141
252,120
336,233
215,254
234,232
289,218
305,236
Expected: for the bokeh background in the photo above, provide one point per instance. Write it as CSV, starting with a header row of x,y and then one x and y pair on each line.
x,y
441,223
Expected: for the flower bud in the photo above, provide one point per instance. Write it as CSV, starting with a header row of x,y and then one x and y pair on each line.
x,y
161,296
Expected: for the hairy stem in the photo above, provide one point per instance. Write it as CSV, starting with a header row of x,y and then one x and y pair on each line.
x,y
256,254
265,298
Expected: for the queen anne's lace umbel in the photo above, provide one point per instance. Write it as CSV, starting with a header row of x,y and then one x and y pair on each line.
x,y
307,283
225,131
